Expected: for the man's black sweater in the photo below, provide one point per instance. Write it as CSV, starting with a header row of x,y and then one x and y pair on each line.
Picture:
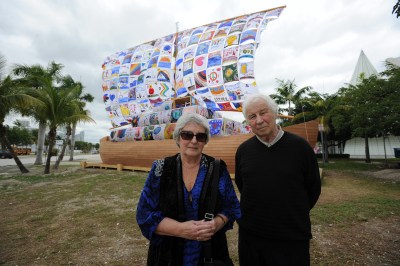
x,y
279,185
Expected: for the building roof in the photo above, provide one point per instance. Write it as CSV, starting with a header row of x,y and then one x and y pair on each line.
x,y
363,66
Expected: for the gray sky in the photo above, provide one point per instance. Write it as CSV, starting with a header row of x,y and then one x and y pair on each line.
x,y
315,42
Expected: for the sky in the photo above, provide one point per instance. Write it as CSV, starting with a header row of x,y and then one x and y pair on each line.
x,y
315,42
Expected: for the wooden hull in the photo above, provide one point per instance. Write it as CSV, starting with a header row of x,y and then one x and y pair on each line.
x,y
143,153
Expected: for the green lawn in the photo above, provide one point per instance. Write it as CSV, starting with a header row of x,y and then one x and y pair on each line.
x,y
87,217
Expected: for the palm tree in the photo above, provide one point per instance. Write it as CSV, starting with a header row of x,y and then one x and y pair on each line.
x,y
320,105
32,77
396,9
60,108
81,115
286,94
83,99
12,98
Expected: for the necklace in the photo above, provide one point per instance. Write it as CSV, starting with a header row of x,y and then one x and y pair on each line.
x,y
190,196
189,179
189,175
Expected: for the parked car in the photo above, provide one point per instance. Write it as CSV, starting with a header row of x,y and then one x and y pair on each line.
x,y
5,154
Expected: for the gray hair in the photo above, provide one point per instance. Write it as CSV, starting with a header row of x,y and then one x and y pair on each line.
x,y
191,118
250,99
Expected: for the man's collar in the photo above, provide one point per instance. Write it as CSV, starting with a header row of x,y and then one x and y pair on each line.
x,y
275,140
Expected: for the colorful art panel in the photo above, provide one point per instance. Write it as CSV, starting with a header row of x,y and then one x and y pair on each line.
x,y
158,132
216,45
216,127
165,62
228,106
202,48
135,69
219,94
234,91
206,99
188,67
200,63
230,73
148,133
207,36
248,37
138,133
214,76
230,55
246,70
232,40
169,131
213,55
189,109
120,135
246,52
214,59
200,79
165,116
175,114
144,119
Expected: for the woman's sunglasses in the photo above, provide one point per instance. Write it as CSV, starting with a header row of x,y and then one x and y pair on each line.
x,y
188,135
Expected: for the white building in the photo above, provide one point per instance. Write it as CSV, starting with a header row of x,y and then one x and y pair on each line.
x,y
377,146
80,136
363,67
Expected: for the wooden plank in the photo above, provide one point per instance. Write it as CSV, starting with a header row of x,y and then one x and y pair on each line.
x,y
143,153
118,167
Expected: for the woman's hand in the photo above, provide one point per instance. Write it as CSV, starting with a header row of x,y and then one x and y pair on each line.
x,y
191,230
205,230
208,228
196,230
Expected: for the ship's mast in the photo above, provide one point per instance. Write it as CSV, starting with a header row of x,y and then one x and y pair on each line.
x,y
175,54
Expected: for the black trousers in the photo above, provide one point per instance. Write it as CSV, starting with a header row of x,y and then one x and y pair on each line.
x,y
257,251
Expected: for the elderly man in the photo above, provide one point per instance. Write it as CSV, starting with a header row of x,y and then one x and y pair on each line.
x,y
278,177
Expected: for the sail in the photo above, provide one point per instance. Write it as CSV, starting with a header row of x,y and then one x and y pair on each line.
x,y
213,63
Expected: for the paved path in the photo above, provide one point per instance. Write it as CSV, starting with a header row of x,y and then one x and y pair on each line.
x,y
30,159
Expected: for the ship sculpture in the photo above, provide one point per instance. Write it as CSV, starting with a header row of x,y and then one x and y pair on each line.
x,y
205,70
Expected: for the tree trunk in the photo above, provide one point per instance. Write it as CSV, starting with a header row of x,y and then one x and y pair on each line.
x,y
367,157
6,143
40,145
60,156
325,148
52,139
384,149
66,143
72,146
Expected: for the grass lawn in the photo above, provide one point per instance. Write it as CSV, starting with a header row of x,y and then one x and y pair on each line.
x,y
87,217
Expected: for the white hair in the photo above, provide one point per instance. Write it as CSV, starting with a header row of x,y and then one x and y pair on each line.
x,y
191,118
250,99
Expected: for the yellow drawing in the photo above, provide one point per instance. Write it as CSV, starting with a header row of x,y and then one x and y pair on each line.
x,y
124,110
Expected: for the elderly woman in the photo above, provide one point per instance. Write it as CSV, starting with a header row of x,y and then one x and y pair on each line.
x,y
171,210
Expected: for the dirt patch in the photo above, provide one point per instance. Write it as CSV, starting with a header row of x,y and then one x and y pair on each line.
x,y
390,174
34,170
338,187
374,242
